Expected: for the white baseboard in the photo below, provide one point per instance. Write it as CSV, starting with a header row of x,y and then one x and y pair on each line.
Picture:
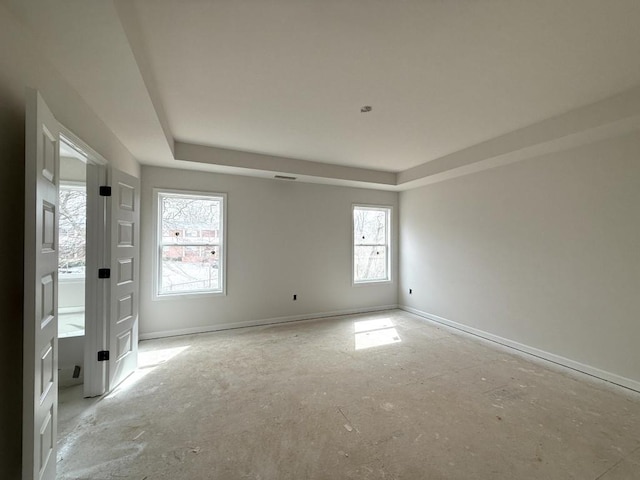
x,y
265,321
550,357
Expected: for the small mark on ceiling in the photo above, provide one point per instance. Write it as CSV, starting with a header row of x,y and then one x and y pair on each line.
x,y
366,109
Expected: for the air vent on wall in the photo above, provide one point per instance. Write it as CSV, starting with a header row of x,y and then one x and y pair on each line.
x,y
284,177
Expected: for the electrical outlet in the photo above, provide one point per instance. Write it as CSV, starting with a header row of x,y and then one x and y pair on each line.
x,y
295,296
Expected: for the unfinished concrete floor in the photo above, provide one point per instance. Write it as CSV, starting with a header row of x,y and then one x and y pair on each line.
x,y
309,401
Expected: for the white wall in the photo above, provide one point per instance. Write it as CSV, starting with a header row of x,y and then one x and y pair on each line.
x,y
71,295
21,66
73,170
283,238
545,252
70,354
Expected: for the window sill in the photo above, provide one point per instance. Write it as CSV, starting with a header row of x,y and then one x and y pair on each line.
x,y
187,295
372,282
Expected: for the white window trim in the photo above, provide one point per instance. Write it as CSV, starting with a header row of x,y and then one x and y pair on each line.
x,y
74,184
389,279
156,244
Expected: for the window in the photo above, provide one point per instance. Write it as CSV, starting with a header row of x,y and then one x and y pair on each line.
x,y
72,231
371,252
190,250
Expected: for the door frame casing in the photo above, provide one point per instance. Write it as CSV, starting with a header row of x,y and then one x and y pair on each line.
x,y
96,291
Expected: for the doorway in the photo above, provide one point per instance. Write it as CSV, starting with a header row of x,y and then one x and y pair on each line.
x,y
72,263
81,232
82,299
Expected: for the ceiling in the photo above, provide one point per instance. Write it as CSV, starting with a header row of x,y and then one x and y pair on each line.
x,y
256,87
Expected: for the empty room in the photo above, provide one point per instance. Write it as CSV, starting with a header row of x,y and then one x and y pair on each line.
x,y
328,239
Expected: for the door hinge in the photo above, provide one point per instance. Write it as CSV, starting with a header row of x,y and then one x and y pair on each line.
x,y
103,355
104,273
105,191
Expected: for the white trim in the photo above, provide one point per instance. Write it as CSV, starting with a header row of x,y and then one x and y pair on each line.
x,y
76,142
389,247
155,295
96,291
264,321
74,184
186,295
536,352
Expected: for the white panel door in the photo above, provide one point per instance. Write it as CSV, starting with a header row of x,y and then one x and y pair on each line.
x,y
123,316
40,367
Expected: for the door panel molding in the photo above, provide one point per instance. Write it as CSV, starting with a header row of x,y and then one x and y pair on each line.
x,y
40,337
125,253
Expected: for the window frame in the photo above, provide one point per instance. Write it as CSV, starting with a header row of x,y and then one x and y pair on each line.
x,y
157,242
389,253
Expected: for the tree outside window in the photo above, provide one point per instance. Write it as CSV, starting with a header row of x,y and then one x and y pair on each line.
x,y
190,246
72,231
371,256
